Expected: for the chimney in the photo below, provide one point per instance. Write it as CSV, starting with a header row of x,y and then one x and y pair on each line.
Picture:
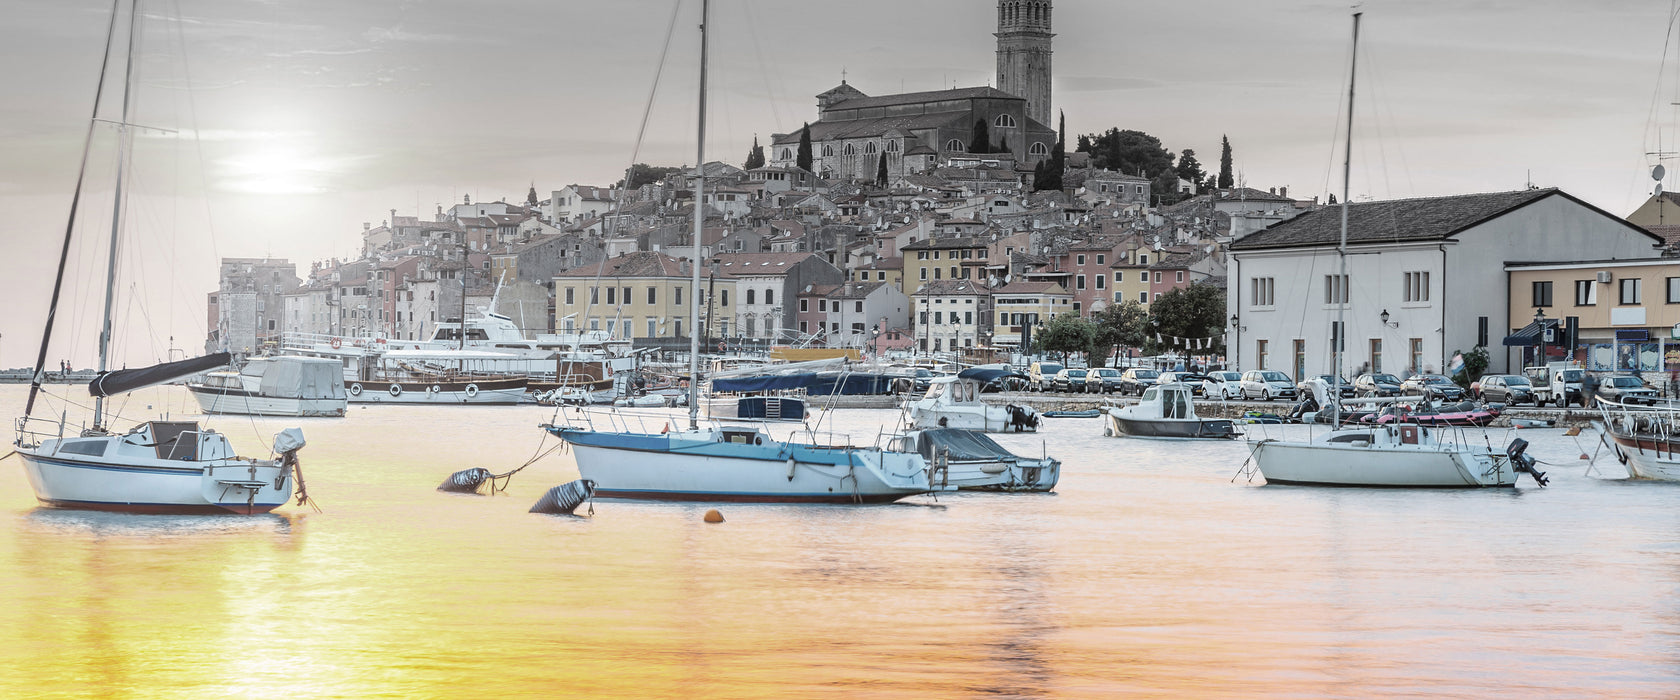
x,y
366,226
1272,190
393,216
1283,191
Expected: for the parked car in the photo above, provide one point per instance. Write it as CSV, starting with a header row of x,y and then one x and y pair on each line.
x,y
1625,388
1557,383
1510,389
1189,379
1432,385
1069,380
1223,384
1136,379
1042,374
1267,384
1102,380
1330,380
1376,384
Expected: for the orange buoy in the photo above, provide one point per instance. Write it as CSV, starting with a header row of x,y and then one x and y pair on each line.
x,y
712,516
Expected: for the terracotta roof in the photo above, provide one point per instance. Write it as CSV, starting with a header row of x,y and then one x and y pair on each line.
x,y
1029,288
759,264
1421,219
894,263
949,242
855,290
909,98
638,264
951,287
818,290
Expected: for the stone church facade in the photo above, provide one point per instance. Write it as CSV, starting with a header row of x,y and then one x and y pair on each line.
x,y
855,131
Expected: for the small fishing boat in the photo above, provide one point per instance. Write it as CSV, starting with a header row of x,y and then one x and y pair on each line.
x,y
954,402
274,386
1165,411
1091,413
971,461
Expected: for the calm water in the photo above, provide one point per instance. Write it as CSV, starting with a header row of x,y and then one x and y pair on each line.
x,y
1149,572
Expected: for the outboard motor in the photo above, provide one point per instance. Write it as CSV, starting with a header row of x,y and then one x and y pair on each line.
x,y
466,480
1022,418
1307,405
1523,463
565,498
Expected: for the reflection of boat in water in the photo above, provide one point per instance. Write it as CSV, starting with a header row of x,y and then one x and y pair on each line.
x,y
274,386
1165,411
970,460
954,402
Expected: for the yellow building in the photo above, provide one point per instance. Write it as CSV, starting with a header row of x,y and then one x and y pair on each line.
x,y
641,295
1626,314
1020,304
957,257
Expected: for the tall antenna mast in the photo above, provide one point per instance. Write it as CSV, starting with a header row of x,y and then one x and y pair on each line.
x,y
699,222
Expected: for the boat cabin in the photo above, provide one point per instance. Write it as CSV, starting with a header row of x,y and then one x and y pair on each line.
x,y
1166,401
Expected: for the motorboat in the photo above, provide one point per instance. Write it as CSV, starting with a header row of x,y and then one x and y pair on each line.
x,y
954,402
741,463
1645,437
285,385
1391,455
715,462
1165,411
1463,414
158,466
970,460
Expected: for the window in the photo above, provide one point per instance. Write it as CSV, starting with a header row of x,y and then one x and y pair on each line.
x,y
955,145
1100,280
849,150
921,255
968,317
924,273
880,275
769,296
1337,343
1300,358
1143,297
676,327
1178,276
859,308
1260,354
1674,290
1543,294
1416,354
869,148
678,298
610,291
1586,292
1261,290
1004,120
938,317
828,150
822,304
892,146
1335,289
787,154
1038,149
653,295
1376,354
569,299
1417,286
1157,276
653,328
751,294
1099,258
936,272
1143,258
612,328
1079,282
1119,275
1630,290
1482,331
725,296
1081,259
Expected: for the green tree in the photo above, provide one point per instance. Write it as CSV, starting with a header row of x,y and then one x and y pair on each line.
x,y
1122,325
755,157
803,159
1225,179
644,174
1165,187
1196,311
1475,363
1064,334
1129,151
1189,168
1039,172
982,141
1058,156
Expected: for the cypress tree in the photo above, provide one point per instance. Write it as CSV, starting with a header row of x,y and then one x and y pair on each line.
x,y
804,160
1058,157
1225,180
982,141
755,157
881,170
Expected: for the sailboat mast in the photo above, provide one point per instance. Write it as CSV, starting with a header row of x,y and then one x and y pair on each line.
x,y
123,142
69,228
699,222
1341,248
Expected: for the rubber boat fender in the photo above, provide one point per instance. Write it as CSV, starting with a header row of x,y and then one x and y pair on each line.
x,y
434,389
396,390
465,481
791,464
356,389
565,498
472,390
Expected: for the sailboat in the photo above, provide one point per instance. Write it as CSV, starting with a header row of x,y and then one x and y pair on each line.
x,y
158,466
737,462
1395,454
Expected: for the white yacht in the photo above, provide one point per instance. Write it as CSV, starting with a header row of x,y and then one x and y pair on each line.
x,y
1164,411
954,402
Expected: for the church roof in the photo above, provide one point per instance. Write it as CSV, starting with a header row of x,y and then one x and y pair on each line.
x,y
910,98
861,128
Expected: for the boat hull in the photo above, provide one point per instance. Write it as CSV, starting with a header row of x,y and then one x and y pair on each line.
x,y
1321,464
224,486
1003,475
674,468
986,419
1197,428
487,392
1648,458
231,401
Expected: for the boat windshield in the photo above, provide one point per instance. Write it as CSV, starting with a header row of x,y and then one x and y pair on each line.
x,y
1150,394
935,390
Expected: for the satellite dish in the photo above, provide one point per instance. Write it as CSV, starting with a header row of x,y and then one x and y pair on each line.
x,y
1658,172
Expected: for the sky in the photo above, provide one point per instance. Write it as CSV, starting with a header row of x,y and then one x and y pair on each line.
x,y
279,128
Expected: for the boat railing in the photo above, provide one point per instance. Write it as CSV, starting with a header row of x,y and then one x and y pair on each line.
x,y
1660,417
31,430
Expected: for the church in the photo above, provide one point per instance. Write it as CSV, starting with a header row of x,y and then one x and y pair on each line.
x,y
917,131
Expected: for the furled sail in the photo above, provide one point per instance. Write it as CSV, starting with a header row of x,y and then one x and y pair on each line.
x,y
126,380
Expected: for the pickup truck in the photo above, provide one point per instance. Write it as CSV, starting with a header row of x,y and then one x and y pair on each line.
x,y
1559,385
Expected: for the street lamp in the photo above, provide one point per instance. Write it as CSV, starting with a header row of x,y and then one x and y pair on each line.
x,y
1540,326
874,341
1385,322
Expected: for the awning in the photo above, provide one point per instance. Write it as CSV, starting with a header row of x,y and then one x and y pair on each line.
x,y
1531,334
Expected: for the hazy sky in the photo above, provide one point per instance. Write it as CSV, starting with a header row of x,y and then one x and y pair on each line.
x,y
313,116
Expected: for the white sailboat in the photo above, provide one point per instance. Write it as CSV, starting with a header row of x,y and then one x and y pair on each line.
x,y
1396,454
157,466
736,463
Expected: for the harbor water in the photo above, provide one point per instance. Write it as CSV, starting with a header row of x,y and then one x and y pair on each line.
x,y
1153,570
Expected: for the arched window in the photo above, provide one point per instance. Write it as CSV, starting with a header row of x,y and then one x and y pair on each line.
x,y
769,296
750,296
850,150
787,154
1004,121
869,148
1038,149
892,146
828,150
955,145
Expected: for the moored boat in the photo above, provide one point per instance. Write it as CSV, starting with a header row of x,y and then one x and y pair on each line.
x,y
971,461
1394,455
1165,411
1645,438
954,402
274,386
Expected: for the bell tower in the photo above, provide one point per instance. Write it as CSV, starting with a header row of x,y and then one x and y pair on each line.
x,y
1023,54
